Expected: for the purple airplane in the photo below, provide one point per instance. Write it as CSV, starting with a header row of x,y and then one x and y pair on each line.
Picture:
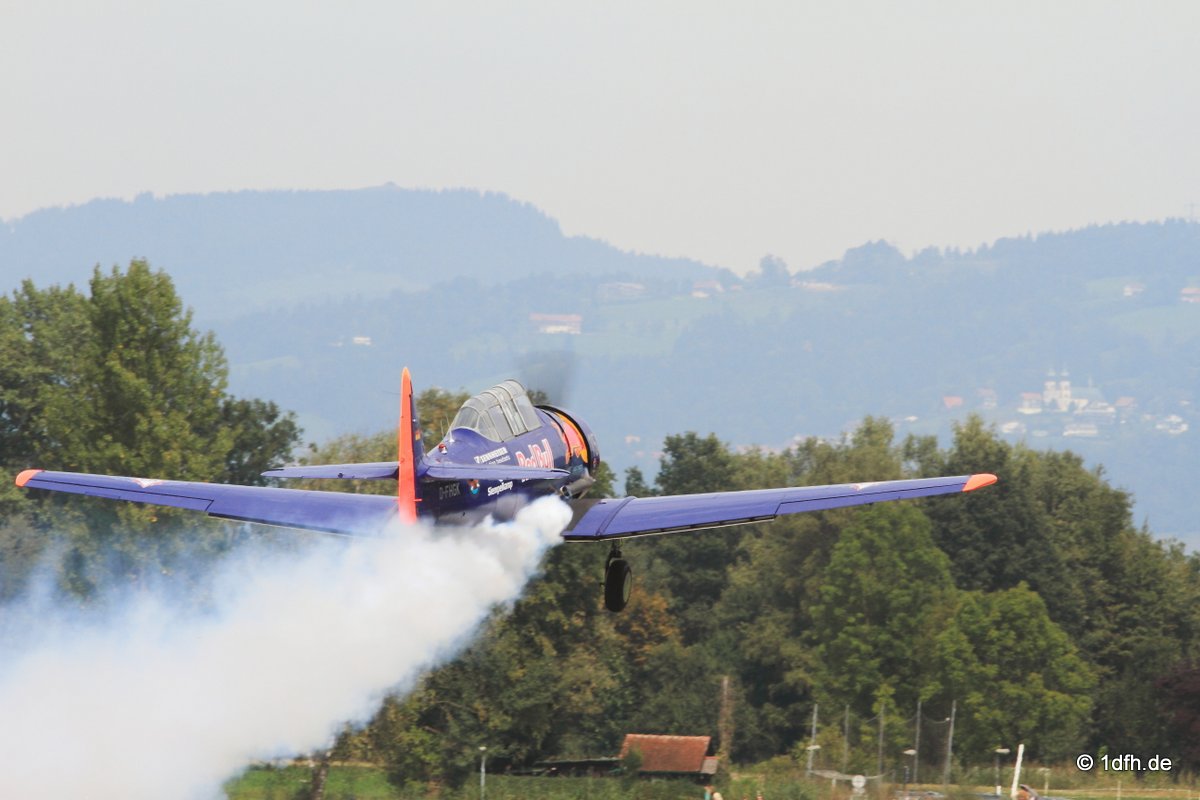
x,y
501,452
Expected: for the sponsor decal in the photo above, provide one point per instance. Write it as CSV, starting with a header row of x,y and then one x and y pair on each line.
x,y
473,485
498,488
492,455
539,456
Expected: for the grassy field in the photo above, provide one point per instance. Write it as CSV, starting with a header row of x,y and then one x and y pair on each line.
x,y
368,783
776,781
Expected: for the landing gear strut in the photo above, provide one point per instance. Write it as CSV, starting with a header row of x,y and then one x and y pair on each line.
x,y
618,580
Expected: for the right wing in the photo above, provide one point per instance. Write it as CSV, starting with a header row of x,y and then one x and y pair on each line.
x,y
645,516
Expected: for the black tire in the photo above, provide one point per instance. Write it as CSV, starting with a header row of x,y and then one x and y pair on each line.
x,y
618,584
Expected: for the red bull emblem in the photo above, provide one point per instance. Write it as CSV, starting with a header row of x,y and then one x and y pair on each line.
x,y
539,456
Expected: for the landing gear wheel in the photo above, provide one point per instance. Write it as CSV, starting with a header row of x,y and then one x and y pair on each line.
x,y
618,582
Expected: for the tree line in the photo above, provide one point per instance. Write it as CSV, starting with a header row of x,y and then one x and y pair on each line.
x,y
1035,609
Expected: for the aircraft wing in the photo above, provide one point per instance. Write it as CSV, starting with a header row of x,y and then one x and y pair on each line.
x,y
329,512
644,516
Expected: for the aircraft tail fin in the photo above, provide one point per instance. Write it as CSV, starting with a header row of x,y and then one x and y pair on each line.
x,y
409,451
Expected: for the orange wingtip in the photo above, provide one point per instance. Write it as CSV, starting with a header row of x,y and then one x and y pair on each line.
x,y
978,481
24,477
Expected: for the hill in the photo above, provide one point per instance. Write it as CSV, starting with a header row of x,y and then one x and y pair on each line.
x,y
248,252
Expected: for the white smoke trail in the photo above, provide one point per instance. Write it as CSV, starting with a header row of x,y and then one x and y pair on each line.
x,y
158,703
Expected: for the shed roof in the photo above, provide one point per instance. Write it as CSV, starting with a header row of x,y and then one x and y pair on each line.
x,y
668,753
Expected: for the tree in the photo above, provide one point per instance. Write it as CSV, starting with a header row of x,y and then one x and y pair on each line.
x,y
262,433
1020,677
41,333
635,483
876,611
693,568
1179,690
435,409
603,487
772,273
147,397
118,381
996,538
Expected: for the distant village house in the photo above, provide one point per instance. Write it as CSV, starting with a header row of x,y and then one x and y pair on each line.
x,y
557,323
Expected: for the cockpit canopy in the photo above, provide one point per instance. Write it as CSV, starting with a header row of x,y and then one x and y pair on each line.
x,y
500,413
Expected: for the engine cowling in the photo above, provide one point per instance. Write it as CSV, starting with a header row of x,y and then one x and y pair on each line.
x,y
583,456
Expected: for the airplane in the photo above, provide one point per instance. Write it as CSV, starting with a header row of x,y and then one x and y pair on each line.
x,y
500,453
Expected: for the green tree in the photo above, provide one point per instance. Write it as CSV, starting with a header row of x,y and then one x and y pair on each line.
x,y
1020,677
603,487
147,396
1126,601
635,483
262,433
765,615
42,333
119,382
692,464
1180,702
877,608
995,538
435,409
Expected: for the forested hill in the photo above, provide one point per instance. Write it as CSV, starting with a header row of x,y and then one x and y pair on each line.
x,y
246,252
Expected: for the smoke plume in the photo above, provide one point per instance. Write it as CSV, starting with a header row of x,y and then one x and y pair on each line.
x,y
154,701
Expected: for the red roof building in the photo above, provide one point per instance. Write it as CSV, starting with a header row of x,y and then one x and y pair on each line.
x,y
673,754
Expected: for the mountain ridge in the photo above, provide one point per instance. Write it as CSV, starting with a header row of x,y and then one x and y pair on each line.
x,y
239,252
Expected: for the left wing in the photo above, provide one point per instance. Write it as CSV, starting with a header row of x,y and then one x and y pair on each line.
x,y
644,516
329,512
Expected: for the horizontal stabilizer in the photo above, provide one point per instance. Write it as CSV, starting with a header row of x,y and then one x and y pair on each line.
x,y
379,470
447,471
489,472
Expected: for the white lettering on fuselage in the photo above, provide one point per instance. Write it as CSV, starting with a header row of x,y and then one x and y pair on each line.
x,y
498,488
539,456
491,455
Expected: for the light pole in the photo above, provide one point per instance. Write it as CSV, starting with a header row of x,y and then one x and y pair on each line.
x,y
999,751
812,749
912,754
482,771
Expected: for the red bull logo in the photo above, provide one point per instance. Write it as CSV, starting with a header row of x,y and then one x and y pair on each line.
x,y
539,456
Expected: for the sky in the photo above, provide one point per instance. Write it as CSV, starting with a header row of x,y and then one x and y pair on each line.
x,y
717,131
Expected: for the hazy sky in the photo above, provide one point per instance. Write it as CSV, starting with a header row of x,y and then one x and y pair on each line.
x,y
721,132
